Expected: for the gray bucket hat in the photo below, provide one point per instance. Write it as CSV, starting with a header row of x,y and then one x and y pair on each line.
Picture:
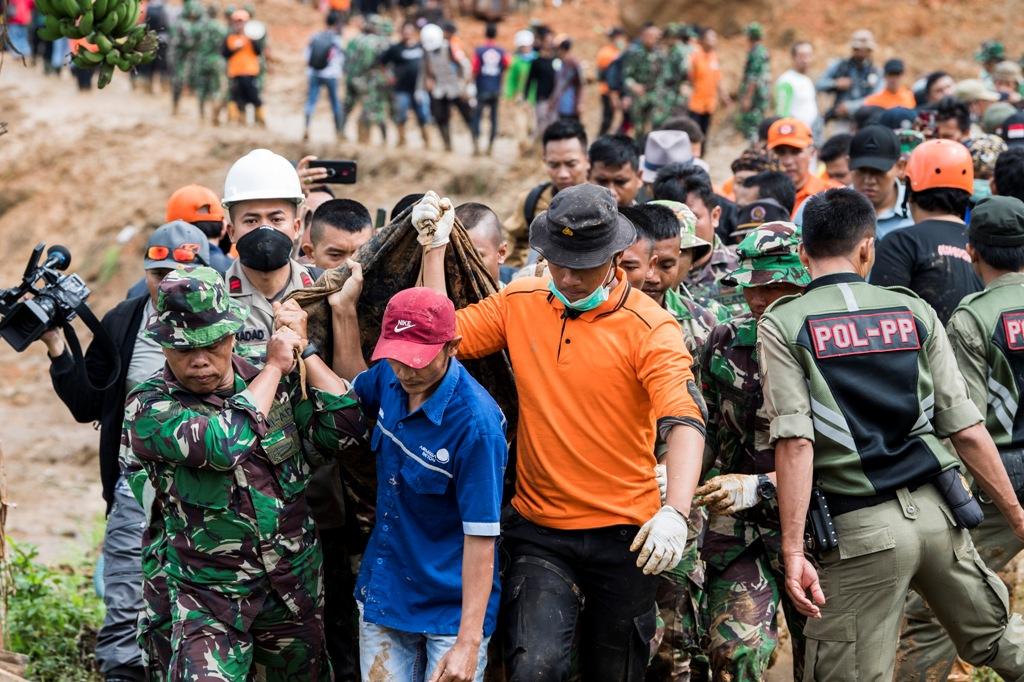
x,y
582,228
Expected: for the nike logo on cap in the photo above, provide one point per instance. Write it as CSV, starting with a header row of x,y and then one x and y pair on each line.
x,y
403,325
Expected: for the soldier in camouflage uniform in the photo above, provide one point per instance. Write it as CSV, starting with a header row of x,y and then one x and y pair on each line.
x,y
362,64
206,78
755,95
183,41
674,72
643,65
227,449
377,99
742,545
987,335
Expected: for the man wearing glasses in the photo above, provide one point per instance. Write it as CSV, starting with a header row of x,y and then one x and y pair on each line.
x,y
171,246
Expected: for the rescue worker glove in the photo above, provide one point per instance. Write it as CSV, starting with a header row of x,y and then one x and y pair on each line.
x,y
661,541
729,493
661,476
433,217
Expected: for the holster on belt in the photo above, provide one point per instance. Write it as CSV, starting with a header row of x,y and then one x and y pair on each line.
x,y
820,533
955,490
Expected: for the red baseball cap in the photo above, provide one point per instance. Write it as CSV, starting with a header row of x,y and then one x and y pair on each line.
x,y
417,324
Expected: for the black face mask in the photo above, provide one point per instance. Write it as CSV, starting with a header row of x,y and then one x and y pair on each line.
x,y
264,249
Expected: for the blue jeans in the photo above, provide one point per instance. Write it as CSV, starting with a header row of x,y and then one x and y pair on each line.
x,y
405,656
315,83
403,102
18,34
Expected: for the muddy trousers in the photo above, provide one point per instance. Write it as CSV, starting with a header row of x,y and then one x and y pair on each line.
x,y
558,581
926,652
886,550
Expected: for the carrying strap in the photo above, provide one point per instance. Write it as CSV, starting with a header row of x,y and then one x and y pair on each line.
x,y
532,199
100,336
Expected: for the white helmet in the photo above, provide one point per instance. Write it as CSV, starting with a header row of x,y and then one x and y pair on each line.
x,y
431,37
524,38
262,174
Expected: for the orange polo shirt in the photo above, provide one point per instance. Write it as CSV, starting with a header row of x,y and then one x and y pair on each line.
x,y
705,74
904,97
605,56
591,390
813,185
243,61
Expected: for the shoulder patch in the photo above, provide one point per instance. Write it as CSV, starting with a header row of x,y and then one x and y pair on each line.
x,y
1013,327
835,336
234,284
307,281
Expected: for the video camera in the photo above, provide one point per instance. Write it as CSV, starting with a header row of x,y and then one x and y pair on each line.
x,y
54,304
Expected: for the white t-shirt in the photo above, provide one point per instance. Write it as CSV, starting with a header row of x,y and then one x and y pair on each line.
x,y
796,97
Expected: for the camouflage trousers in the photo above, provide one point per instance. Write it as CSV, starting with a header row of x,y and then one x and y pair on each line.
x,y
667,103
926,652
376,104
679,647
206,83
280,645
742,606
748,121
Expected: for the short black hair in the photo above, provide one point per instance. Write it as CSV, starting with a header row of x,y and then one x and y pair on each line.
x,y
764,125
404,203
662,223
949,108
941,200
774,185
211,228
931,79
341,214
835,220
687,125
1008,174
333,18
836,146
677,181
564,129
491,31
614,151
640,220
999,257
867,115
474,215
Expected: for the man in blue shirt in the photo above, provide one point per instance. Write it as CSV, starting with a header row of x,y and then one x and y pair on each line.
x,y
428,588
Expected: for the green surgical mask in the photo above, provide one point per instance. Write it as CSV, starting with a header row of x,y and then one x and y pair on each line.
x,y
589,302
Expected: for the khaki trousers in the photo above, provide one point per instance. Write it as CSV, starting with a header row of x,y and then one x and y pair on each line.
x,y
886,550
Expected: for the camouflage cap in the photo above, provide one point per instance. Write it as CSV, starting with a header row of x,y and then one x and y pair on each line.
x,y
193,309
985,149
991,51
755,31
688,238
769,255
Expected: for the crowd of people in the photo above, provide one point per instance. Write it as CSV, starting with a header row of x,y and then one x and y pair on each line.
x,y
797,389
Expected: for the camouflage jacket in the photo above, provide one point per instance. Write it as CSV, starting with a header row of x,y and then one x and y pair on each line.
x,y
229,486
362,54
183,41
697,318
643,66
705,282
209,37
737,434
757,76
676,68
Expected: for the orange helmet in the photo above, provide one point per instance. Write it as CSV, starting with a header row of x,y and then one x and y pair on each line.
x,y
193,204
941,163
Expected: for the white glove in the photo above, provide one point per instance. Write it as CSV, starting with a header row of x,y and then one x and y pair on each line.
x,y
661,476
433,217
729,494
661,541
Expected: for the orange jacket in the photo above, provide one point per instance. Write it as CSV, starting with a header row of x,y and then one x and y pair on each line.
x,y
243,56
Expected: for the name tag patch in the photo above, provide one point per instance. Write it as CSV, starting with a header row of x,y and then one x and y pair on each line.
x,y
1013,327
860,333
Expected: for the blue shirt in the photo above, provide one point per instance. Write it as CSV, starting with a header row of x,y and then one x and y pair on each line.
x,y
439,473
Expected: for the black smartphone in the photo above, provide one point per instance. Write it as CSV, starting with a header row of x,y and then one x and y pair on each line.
x,y
382,219
338,172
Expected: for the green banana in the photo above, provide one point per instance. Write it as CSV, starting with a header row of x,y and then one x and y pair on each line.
x,y
106,27
48,33
131,16
100,9
106,73
44,7
103,42
85,25
51,22
89,59
125,64
112,56
68,8
84,6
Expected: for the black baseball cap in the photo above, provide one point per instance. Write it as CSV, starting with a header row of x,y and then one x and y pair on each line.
x,y
1012,130
893,67
874,146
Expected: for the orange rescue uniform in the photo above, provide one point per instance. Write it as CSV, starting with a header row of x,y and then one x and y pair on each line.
x,y
904,97
705,75
243,60
813,185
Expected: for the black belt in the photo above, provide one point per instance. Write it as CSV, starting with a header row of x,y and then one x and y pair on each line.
x,y
844,504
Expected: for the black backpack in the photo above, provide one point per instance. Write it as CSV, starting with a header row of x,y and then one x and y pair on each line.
x,y
320,50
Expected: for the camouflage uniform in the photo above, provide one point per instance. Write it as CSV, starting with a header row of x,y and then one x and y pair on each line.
x,y
242,560
641,66
674,71
183,41
377,104
206,77
706,282
363,77
755,84
743,552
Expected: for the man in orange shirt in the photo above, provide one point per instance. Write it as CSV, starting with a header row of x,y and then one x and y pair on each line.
x,y
791,144
608,53
706,76
601,371
894,93
243,64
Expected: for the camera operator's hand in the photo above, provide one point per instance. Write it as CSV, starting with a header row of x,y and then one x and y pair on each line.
x,y
290,314
54,341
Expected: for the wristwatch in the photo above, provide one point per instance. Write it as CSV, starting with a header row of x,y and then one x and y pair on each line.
x,y
765,487
310,350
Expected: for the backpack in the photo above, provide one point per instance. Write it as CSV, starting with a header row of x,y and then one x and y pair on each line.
x,y
320,50
613,76
532,199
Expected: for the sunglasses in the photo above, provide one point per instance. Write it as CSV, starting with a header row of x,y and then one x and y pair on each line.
x,y
186,253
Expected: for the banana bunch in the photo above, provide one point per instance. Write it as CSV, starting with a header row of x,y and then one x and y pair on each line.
x,y
111,25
